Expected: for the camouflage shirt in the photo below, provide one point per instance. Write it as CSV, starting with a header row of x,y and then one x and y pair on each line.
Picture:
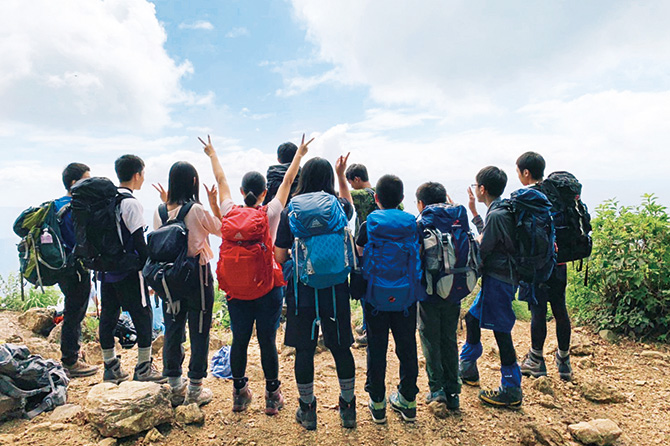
x,y
364,203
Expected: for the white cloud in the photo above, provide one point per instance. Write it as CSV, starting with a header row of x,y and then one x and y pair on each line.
x,y
200,24
239,31
87,64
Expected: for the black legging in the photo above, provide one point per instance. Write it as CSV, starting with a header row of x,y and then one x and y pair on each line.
x,y
504,340
304,364
538,325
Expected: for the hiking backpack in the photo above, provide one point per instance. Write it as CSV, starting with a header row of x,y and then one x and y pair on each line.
x,y
101,244
42,255
246,268
391,262
535,237
169,270
571,216
450,254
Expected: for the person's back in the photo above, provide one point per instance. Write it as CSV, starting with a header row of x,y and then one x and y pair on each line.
x,y
276,173
362,193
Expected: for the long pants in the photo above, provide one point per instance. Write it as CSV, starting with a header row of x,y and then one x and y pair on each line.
x,y
438,323
504,340
76,287
552,292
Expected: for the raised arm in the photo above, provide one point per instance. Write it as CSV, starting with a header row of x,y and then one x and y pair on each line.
x,y
224,189
340,168
289,177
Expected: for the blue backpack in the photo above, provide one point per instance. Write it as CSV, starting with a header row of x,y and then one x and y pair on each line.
x,y
450,254
391,262
535,256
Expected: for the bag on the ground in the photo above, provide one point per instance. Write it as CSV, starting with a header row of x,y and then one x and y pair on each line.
x,y
38,384
102,239
220,364
246,269
42,255
125,331
169,270
391,262
571,216
535,237
450,254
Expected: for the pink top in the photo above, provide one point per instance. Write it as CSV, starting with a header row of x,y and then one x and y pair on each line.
x,y
274,213
200,224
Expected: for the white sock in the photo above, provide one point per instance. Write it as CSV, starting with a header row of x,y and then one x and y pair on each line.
x,y
563,354
108,355
143,355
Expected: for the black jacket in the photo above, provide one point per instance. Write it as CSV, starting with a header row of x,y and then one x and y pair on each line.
x,y
497,245
275,176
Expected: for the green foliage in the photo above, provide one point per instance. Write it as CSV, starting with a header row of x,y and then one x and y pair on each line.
x,y
10,295
89,329
628,286
220,316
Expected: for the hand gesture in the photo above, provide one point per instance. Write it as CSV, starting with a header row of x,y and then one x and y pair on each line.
x,y
211,193
161,191
302,150
209,148
449,200
341,165
472,205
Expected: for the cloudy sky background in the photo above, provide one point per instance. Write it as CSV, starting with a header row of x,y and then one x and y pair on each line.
x,y
429,91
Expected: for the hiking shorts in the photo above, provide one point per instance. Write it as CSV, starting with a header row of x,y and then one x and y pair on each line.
x,y
493,305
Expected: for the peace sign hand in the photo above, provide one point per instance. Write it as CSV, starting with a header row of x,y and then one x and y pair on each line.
x,y
209,148
341,164
302,150
161,191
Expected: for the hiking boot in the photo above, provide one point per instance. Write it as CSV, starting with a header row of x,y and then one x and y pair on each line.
x,y
242,398
113,372
564,367
360,330
378,411
80,369
436,397
348,413
502,397
362,339
306,415
273,402
178,394
147,372
198,395
469,373
405,408
453,402
533,366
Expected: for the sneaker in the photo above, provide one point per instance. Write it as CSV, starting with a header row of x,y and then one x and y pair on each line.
x,y
502,397
405,408
306,415
348,413
241,398
453,402
198,395
564,367
533,366
178,394
436,397
148,372
113,372
273,402
378,411
80,369
469,373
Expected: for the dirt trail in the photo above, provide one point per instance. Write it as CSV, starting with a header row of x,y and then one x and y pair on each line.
x,y
644,379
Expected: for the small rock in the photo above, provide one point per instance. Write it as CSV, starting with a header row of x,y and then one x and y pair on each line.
x,y
38,320
288,351
65,412
191,414
108,442
652,354
44,348
585,363
608,335
533,434
57,427
153,436
42,427
545,385
92,353
548,401
54,336
601,432
582,350
157,345
14,339
599,392
438,409
639,382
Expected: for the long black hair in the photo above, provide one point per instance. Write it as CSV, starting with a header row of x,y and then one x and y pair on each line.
x,y
316,175
253,185
183,183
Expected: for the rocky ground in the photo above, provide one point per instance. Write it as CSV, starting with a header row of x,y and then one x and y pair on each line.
x,y
633,378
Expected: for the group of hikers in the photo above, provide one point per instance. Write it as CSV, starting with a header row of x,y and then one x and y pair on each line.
x,y
295,242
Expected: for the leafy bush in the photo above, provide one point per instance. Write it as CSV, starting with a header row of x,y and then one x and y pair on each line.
x,y
628,287
220,316
10,295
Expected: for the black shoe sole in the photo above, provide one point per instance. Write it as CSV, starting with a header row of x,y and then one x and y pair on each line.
x,y
404,416
515,405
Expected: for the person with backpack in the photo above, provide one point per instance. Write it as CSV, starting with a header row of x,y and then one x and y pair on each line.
x,y
314,228
492,308
192,299
449,257
389,244
276,173
530,169
251,277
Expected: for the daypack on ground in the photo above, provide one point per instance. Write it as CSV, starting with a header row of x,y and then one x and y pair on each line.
x,y
571,216
450,254
101,242
42,255
535,256
125,331
391,262
246,269
169,270
38,384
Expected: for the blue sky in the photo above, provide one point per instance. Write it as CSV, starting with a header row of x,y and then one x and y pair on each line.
x,y
429,91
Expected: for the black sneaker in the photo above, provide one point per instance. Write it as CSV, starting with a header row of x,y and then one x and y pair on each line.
x,y
533,366
502,397
348,413
113,372
469,373
378,411
306,415
453,402
147,372
564,367
405,408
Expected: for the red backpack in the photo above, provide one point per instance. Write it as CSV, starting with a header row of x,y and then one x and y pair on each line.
x,y
247,269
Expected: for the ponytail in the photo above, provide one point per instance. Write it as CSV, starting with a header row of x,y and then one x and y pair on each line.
x,y
250,199
253,186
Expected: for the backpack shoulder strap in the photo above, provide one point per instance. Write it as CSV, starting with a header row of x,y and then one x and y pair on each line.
x,y
163,213
64,210
184,210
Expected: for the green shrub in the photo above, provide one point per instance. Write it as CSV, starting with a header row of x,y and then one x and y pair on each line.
x,y
10,295
628,287
220,316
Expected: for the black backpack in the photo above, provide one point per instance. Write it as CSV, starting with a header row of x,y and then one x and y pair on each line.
x,y
571,216
169,270
101,244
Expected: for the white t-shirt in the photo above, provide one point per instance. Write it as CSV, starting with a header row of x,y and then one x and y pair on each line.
x,y
132,212
274,213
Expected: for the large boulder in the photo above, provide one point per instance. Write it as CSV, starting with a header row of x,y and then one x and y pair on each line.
x,y
599,432
603,393
129,408
38,320
55,334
